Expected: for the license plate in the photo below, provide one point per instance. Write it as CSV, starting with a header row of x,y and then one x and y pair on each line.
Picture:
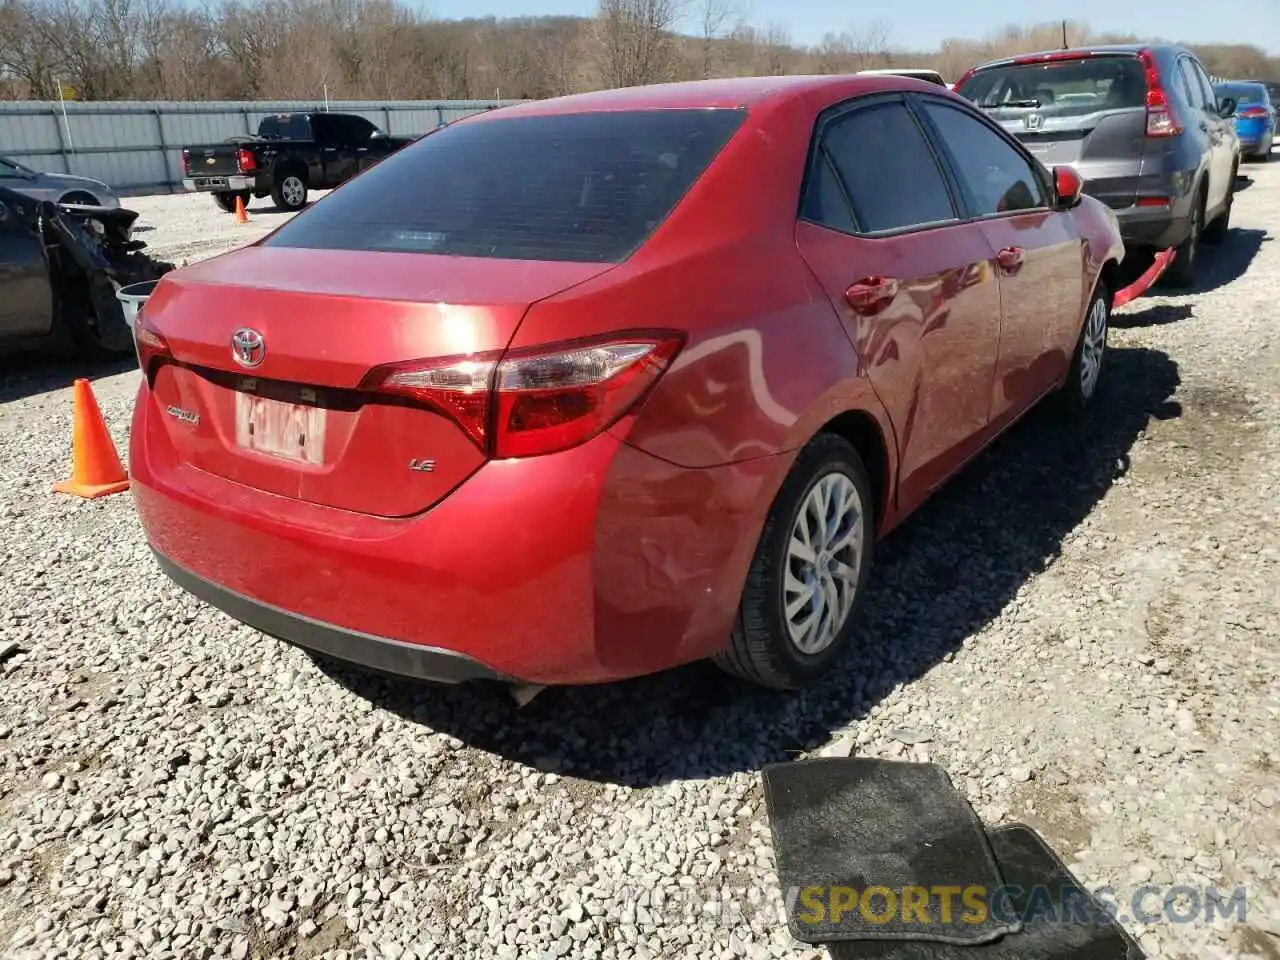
x,y
290,431
211,181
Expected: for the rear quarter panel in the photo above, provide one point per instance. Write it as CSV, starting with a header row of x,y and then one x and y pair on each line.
x,y
1101,234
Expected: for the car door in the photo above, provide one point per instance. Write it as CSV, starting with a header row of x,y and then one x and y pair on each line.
x,y
912,284
1212,129
1228,145
26,297
1038,250
337,159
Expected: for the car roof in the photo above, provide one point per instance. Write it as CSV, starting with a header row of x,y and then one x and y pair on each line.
x,y
1132,49
728,92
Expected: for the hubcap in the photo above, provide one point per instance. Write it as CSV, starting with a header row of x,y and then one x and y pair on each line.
x,y
824,560
1093,347
292,190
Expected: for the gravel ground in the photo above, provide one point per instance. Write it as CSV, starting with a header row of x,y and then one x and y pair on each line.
x,y
1081,629
186,227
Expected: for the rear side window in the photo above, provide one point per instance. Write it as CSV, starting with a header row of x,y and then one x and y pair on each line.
x,y
1195,93
1060,88
888,169
998,178
587,187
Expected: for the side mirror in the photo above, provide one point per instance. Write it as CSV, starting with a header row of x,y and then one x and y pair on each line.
x,y
1227,108
1067,188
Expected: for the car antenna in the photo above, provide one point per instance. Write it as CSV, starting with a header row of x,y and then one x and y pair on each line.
x,y
1064,35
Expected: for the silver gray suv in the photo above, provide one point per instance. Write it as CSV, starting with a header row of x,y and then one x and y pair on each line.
x,y
1142,126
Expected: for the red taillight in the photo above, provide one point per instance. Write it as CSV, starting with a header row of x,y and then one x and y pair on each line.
x,y
245,161
186,161
147,341
1153,201
533,402
1161,119
1254,113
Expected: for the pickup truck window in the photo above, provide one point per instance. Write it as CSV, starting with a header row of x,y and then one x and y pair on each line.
x,y
289,126
573,187
341,128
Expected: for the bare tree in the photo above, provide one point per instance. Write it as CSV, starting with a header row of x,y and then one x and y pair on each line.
x,y
634,43
373,49
712,17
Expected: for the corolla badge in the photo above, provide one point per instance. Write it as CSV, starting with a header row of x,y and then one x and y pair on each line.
x,y
248,347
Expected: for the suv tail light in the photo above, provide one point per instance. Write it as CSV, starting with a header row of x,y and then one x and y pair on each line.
x,y
186,162
532,402
1254,113
1162,121
245,161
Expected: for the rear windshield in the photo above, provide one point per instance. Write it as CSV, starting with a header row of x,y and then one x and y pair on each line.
x,y
287,127
1242,93
587,187
1060,88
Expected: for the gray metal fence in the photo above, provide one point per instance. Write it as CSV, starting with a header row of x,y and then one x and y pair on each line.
x,y
136,146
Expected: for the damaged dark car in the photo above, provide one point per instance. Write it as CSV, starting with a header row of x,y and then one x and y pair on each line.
x,y
60,268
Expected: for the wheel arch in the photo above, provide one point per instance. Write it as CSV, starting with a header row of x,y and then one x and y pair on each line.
x,y
79,191
286,166
864,431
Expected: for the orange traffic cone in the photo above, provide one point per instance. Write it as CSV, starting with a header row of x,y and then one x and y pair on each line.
x,y
241,216
95,466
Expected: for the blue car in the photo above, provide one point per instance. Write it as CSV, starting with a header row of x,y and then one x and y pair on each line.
x,y
1255,116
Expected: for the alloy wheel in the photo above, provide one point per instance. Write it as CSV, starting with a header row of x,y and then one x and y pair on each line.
x,y
1093,347
823,563
293,191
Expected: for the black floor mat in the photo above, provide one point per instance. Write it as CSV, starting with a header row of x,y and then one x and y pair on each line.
x,y
842,827
1060,920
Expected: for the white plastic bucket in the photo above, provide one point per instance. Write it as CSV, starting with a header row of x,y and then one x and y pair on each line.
x,y
133,297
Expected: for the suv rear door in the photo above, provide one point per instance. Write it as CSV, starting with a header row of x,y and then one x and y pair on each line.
x,y
1080,108
1219,133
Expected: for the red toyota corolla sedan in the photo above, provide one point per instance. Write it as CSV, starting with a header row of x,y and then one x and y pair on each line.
x,y
590,387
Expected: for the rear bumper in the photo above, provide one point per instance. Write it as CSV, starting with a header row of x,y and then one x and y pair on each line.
x,y
218,184
590,565
379,653
1159,227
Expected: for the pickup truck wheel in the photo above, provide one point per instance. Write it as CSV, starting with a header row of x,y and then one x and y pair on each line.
x,y
226,199
289,192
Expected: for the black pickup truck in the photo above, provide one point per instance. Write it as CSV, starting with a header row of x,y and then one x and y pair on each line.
x,y
292,153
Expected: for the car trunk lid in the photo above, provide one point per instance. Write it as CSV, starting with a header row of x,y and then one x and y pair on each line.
x,y
299,421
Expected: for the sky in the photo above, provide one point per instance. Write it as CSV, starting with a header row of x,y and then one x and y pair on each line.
x,y
930,21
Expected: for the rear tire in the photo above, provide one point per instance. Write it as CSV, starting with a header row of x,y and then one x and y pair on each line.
x,y
226,199
824,513
1089,360
1216,231
1182,272
289,191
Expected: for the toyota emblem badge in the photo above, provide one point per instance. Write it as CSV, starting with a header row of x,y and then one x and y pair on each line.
x,y
248,347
